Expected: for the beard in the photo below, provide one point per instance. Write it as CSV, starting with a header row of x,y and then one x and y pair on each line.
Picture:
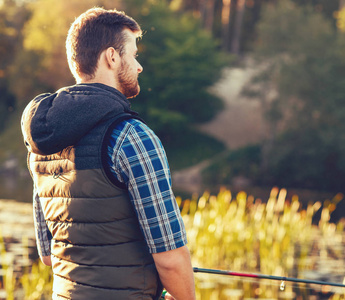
x,y
128,81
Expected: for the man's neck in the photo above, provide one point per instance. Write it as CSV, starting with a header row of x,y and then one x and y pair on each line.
x,y
101,77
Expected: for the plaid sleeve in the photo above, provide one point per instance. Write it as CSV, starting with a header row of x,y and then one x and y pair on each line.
x,y
139,160
43,235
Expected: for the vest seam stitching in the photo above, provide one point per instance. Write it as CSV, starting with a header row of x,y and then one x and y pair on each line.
x,y
95,286
91,223
107,266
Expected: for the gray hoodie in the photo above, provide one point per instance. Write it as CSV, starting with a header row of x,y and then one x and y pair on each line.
x,y
52,122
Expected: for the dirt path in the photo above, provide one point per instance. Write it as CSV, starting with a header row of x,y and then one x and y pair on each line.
x,y
239,124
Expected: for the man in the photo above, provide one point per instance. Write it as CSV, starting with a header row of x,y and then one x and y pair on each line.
x,y
106,218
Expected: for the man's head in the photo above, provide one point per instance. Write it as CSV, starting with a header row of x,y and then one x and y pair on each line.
x,y
100,36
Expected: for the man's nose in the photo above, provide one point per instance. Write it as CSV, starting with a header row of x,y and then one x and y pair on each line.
x,y
140,68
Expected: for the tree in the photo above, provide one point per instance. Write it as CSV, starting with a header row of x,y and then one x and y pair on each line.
x,y
45,35
12,19
305,62
226,24
238,24
324,7
207,10
180,62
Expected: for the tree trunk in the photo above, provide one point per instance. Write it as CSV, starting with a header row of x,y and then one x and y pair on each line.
x,y
202,9
226,9
207,8
210,15
236,41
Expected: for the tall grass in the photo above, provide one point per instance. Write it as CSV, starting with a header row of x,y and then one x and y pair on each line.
x,y
29,282
273,238
37,282
239,234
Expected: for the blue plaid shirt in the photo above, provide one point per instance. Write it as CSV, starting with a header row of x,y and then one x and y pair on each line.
x,y
137,158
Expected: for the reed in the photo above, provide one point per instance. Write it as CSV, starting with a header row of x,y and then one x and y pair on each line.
x,y
28,282
274,238
8,282
238,234
37,282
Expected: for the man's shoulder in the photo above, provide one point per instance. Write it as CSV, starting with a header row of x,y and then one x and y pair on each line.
x,y
135,133
135,122
133,126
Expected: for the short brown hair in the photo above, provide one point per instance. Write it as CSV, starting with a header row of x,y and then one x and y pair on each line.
x,y
93,32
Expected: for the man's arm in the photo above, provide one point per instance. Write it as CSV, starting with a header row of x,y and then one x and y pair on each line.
x,y
176,273
138,159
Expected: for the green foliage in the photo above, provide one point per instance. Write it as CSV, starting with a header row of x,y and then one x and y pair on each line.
x,y
302,159
304,65
7,103
41,65
325,7
243,162
190,148
11,141
45,34
180,62
12,19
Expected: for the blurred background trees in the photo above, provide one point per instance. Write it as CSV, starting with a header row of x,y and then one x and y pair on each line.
x,y
12,20
180,59
180,62
302,89
299,50
310,87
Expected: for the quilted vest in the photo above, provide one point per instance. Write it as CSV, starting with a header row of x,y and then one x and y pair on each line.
x,y
98,249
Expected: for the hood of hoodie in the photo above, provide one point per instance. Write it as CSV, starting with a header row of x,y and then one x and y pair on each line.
x,y
52,122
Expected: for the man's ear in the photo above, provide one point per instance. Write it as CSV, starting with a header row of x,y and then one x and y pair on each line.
x,y
112,57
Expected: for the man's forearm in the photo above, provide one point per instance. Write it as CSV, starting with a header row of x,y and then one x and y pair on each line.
x,y
176,273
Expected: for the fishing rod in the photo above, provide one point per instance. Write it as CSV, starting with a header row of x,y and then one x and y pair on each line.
x,y
262,276
271,277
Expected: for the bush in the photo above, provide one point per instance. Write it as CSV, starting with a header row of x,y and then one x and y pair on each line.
x,y
242,162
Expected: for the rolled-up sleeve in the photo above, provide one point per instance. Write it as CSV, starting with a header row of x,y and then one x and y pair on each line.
x,y
139,160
